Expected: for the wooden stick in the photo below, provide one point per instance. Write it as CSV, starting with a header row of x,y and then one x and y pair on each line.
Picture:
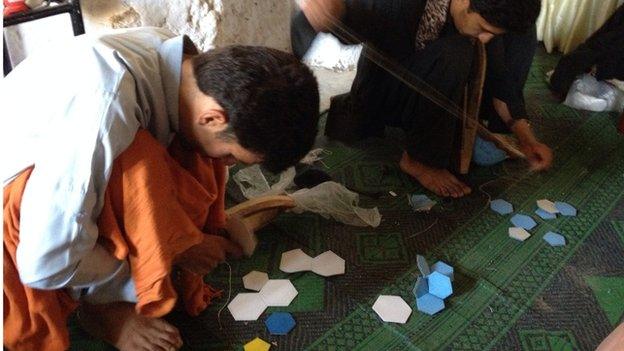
x,y
260,211
244,219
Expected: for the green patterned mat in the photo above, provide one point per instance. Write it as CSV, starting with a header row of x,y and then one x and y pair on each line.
x,y
508,295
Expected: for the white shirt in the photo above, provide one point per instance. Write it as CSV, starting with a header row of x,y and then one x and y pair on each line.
x,y
70,113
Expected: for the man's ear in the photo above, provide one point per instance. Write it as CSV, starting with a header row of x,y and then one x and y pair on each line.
x,y
213,118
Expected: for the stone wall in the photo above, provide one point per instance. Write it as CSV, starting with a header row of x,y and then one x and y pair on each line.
x,y
208,23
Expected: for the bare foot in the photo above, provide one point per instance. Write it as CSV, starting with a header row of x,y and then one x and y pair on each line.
x,y
440,181
118,324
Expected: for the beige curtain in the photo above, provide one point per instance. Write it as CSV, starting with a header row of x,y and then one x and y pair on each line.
x,y
565,24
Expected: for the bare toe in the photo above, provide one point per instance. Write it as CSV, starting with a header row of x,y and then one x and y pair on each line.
x,y
456,190
439,181
442,191
462,189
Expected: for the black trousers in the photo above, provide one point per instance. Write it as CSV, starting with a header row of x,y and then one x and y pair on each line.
x,y
604,49
378,99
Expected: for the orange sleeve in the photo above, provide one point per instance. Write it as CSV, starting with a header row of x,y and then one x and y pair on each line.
x,y
158,208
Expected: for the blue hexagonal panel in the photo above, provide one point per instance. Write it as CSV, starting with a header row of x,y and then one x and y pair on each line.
x,y
440,285
545,215
501,206
444,269
565,209
523,221
429,304
423,266
554,239
421,287
280,323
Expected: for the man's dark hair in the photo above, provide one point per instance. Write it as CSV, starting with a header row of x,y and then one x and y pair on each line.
x,y
271,100
513,15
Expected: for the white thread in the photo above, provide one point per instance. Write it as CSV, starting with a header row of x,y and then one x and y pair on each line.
x,y
426,230
229,295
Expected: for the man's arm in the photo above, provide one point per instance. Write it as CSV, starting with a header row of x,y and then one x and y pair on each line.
x,y
509,61
321,14
366,18
538,154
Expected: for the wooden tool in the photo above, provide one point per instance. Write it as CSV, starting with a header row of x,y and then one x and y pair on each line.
x,y
244,219
473,92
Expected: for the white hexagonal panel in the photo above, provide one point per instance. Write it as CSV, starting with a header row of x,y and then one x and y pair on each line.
x,y
392,309
278,292
519,234
547,206
295,261
255,280
328,264
247,306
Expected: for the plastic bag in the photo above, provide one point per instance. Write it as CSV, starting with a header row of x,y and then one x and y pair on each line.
x,y
420,203
331,199
312,156
328,199
328,52
253,183
587,93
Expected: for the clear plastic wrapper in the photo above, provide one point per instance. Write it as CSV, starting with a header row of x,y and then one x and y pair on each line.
x,y
590,94
328,199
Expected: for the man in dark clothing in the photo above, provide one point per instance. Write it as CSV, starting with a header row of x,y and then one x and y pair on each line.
x,y
509,58
604,50
431,38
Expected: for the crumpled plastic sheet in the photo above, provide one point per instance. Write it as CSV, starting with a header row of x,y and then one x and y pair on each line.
x,y
313,156
587,93
253,183
420,203
329,199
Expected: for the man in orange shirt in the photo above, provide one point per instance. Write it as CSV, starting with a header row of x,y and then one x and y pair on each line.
x,y
113,190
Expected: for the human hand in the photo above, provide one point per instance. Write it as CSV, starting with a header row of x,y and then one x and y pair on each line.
x,y
240,233
205,256
322,13
538,155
